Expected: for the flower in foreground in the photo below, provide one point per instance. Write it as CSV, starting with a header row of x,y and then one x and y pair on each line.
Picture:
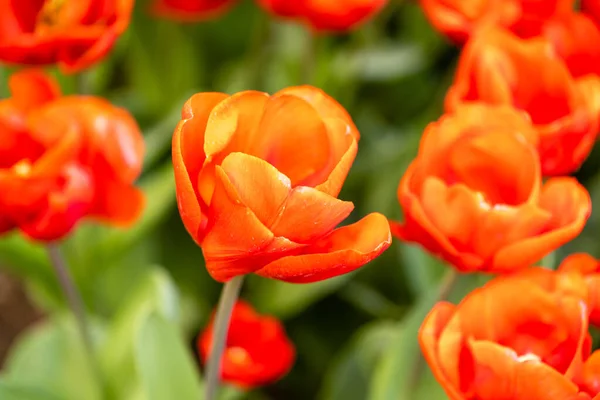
x,y
72,34
497,67
65,158
589,268
190,10
474,194
326,15
257,182
257,351
519,337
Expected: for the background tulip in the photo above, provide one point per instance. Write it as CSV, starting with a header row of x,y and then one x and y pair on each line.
x,y
478,173
73,34
258,350
497,345
190,10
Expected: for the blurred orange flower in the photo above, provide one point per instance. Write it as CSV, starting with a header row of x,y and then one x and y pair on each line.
x,y
326,15
73,34
64,158
497,67
257,351
519,337
190,10
589,267
257,179
474,194
458,19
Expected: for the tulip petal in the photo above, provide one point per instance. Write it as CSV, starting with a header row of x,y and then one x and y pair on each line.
x,y
188,157
299,147
569,204
32,88
309,214
334,182
236,242
342,251
500,374
429,333
118,202
325,105
259,185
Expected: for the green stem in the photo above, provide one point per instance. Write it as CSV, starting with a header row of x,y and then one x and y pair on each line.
x,y
228,298
73,297
446,285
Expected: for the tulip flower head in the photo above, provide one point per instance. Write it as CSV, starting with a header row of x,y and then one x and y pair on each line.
x,y
589,268
257,352
65,158
72,34
474,194
519,337
257,182
497,67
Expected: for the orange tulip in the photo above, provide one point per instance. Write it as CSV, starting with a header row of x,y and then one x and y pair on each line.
x,y
257,179
190,10
589,267
458,19
519,337
72,34
589,379
474,194
65,158
257,351
326,15
496,67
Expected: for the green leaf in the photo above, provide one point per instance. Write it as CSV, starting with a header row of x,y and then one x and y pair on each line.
x,y
284,300
165,366
351,373
52,357
393,375
156,292
15,391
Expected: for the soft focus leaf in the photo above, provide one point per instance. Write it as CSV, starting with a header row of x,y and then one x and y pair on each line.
x,y
12,391
284,300
351,373
154,293
52,356
165,366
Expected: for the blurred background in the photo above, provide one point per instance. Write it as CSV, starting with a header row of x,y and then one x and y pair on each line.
x,y
146,289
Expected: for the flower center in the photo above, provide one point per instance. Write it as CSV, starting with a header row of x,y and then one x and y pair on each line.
x,y
50,13
238,355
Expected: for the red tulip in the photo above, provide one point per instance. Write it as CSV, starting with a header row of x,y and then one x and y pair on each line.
x,y
72,34
257,351
519,337
65,158
257,179
591,8
459,19
474,194
325,15
190,10
497,67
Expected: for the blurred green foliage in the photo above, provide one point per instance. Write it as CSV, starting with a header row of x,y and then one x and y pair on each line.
x,y
146,288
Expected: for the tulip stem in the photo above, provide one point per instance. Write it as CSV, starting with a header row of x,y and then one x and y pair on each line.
x,y
444,289
73,297
228,298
